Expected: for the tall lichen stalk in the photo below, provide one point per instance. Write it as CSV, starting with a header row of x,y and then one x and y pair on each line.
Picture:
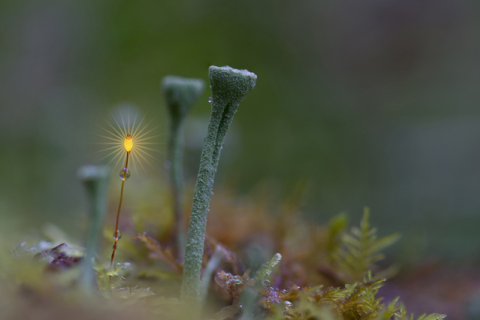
x,y
229,87
95,181
180,95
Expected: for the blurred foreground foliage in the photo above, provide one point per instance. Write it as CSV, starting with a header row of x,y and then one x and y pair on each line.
x,y
317,272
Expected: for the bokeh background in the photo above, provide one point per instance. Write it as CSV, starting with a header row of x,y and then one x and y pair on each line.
x,y
371,102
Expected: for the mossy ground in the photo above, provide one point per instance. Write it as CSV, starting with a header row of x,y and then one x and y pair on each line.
x,y
325,272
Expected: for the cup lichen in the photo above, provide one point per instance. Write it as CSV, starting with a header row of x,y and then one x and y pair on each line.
x,y
95,182
229,87
180,95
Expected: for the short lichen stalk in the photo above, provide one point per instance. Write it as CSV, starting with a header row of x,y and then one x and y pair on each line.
x,y
95,181
229,87
180,95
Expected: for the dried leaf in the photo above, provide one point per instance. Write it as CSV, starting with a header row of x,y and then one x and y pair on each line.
x,y
158,252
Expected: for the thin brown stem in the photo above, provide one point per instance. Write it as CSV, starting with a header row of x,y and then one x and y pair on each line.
x,y
118,212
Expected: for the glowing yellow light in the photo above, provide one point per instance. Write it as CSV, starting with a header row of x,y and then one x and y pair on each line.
x,y
120,142
128,142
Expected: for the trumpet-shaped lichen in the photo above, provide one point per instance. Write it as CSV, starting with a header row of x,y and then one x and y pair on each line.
x,y
229,87
180,95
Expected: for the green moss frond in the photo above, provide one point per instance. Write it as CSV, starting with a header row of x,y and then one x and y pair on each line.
x,y
266,269
112,278
360,249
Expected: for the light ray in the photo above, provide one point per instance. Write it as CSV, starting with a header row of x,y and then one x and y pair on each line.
x,y
107,137
120,158
123,160
128,121
141,164
143,135
140,154
117,155
133,161
147,143
120,134
138,126
134,120
146,126
147,154
148,138
111,153
113,134
110,148
119,127
154,150
123,123
118,142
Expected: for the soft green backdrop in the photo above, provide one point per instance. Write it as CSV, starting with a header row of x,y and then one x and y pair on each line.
x,y
372,102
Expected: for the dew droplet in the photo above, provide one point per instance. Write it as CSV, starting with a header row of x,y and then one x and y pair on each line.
x,y
124,174
210,100
117,236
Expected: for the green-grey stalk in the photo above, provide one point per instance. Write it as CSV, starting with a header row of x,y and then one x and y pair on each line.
x,y
248,301
180,95
95,181
212,265
229,87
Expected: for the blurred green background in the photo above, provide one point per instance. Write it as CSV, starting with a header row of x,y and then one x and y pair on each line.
x,y
372,102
